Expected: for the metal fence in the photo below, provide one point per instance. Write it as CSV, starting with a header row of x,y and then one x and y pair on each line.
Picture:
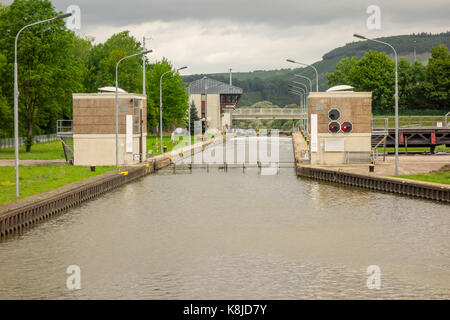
x,y
9,142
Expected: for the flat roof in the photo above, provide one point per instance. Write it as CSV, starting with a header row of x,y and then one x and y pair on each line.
x,y
340,94
107,95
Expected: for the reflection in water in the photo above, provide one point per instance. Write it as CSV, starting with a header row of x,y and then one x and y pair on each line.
x,y
234,235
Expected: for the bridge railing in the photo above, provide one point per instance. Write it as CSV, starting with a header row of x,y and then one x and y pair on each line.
x,y
268,111
414,121
64,127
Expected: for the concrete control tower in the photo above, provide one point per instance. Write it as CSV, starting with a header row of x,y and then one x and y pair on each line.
x,y
94,138
340,127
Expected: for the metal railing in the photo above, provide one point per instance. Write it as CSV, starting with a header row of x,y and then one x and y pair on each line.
x,y
414,121
64,127
9,142
352,157
269,112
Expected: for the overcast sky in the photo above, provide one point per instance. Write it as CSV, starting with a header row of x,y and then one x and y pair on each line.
x,y
246,35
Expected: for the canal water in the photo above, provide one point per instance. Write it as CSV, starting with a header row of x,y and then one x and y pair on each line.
x,y
234,235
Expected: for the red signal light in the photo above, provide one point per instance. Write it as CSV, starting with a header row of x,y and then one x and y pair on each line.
x,y
334,127
347,127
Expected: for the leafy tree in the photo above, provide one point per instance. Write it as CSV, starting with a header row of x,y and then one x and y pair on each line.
x,y
194,116
5,110
341,74
437,83
105,56
48,72
410,85
375,72
174,96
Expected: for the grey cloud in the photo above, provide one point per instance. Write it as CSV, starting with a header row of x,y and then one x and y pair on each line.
x,y
279,13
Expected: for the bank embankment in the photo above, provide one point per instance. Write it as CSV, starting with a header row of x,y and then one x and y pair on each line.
x,y
359,175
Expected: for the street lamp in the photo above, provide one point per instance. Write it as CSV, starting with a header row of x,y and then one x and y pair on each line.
x,y
117,100
306,90
395,95
143,64
16,97
301,76
160,105
302,93
308,65
302,90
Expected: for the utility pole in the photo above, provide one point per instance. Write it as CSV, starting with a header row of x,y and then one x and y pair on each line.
x,y
231,111
143,65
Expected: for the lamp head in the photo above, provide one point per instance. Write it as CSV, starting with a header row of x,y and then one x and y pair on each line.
x,y
289,60
64,15
359,36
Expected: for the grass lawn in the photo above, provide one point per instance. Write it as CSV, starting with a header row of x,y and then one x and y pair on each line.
x,y
42,151
438,177
152,140
402,149
37,179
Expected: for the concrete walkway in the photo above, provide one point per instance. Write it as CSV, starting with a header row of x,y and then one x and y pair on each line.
x,y
10,162
408,164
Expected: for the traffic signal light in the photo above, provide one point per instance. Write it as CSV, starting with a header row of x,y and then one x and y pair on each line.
x,y
334,114
347,127
334,127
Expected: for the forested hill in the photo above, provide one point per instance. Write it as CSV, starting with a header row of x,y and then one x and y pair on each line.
x,y
272,85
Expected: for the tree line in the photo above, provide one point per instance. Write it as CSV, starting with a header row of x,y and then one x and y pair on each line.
x,y
54,62
420,86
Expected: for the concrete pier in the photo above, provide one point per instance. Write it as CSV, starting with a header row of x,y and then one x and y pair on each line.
x,y
359,175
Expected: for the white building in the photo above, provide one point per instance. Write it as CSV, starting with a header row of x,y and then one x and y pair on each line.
x,y
214,101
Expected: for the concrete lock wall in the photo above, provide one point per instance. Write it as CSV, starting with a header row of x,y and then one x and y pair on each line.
x,y
94,129
339,148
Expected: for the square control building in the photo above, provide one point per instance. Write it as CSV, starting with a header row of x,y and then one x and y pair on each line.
x,y
94,131
340,127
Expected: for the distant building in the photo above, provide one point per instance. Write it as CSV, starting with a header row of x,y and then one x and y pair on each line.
x,y
214,101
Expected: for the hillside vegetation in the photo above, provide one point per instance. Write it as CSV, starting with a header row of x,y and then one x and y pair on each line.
x,y
272,85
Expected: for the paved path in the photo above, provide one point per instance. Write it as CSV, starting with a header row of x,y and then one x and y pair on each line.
x,y
410,164
10,162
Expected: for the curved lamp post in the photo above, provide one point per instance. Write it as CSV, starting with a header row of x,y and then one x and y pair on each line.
x,y
117,100
395,95
160,104
16,97
308,65
303,91
310,82
298,93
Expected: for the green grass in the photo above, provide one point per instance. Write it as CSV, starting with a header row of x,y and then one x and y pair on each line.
x,y
411,149
151,141
437,177
37,179
42,151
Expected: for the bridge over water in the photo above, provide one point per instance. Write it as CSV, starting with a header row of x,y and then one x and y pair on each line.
x,y
269,113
